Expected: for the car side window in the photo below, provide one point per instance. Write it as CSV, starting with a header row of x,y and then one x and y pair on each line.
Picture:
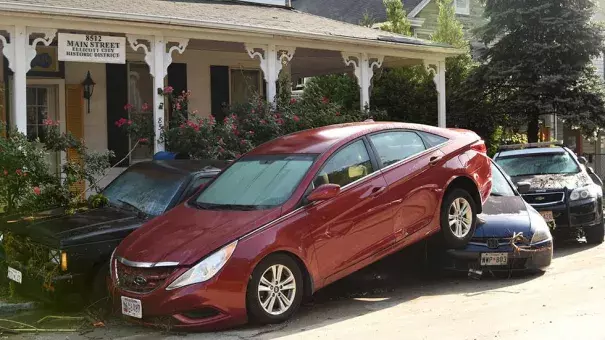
x,y
500,185
432,139
395,146
195,185
346,166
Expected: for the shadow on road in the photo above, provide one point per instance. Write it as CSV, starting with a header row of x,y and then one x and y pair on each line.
x,y
566,247
395,280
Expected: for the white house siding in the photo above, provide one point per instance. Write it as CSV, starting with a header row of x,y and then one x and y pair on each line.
x,y
198,72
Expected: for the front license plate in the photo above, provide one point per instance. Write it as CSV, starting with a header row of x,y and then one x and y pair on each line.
x,y
494,259
15,275
547,215
132,307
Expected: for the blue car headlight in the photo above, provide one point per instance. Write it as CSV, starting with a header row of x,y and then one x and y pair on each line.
x,y
589,191
541,235
540,229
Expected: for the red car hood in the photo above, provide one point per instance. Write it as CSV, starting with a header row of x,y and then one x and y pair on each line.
x,y
185,234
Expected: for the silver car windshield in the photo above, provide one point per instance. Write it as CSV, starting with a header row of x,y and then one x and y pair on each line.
x,y
256,182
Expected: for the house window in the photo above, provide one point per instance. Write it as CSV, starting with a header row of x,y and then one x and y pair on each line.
x,y
463,6
245,84
42,104
39,108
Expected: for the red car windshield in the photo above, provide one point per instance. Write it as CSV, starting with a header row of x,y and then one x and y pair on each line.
x,y
256,182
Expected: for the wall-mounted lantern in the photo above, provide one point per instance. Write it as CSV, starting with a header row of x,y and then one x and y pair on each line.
x,y
89,87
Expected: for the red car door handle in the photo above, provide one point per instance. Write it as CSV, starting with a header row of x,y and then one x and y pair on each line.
x,y
434,160
377,191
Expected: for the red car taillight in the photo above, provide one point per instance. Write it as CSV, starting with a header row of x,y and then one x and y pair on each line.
x,y
479,147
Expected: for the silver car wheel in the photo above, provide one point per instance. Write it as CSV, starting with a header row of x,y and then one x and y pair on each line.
x,y
276,289
460,217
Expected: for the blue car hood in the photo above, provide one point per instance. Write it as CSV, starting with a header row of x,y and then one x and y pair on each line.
x,y
504,216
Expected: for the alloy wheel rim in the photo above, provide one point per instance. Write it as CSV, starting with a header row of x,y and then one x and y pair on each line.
x,y
276,289
460,217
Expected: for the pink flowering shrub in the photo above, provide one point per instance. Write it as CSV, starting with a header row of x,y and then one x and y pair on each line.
x,y
27,181
138,123
244,127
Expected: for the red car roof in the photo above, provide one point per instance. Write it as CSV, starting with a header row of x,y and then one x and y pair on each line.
x,y
320,140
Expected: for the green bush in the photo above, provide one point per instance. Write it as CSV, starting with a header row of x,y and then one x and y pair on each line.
x,y
341,89
407,94
249,125
27,182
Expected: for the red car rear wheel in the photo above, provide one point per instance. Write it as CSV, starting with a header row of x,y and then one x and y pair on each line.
x,y
458,218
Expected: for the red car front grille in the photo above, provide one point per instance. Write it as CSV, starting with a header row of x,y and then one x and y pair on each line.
x,y
141,280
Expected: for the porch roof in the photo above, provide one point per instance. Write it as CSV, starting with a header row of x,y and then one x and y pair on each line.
x,y
225,15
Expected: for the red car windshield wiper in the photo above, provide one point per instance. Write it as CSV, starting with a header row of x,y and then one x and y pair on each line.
x,y
213,206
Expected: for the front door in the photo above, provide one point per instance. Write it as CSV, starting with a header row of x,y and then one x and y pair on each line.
x,y
354,225
140,96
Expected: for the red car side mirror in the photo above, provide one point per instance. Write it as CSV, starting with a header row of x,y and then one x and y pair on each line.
x,y
324,192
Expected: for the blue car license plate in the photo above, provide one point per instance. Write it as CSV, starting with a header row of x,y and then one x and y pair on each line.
x,y
494,259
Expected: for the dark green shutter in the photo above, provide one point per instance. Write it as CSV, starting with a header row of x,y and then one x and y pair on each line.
x,y
177,78
219,88
117,97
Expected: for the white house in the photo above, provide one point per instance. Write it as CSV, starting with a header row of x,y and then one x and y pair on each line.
x,y
215,49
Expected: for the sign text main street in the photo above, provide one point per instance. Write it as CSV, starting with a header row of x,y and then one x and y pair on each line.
x,y
92,48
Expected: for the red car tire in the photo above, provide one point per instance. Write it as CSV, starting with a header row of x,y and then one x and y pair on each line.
x,y
285,289
458,218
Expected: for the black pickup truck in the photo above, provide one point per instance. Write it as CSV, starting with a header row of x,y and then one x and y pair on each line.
x,y
557,184
70,253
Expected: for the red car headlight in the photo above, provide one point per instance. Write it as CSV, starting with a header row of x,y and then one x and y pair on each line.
x,y
206,269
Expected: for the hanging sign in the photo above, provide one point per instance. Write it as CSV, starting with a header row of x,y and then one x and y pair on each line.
x,y
92,48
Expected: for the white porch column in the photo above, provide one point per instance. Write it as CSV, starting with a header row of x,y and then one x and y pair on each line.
x,y
272,59
438,68
364,71
20,54
158,60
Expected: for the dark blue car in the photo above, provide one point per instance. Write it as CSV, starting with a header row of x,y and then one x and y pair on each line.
x,y
505,216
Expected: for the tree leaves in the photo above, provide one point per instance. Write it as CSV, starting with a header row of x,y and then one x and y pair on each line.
x,y
539,62
397,19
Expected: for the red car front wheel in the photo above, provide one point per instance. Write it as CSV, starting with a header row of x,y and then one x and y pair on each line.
x,y
275,290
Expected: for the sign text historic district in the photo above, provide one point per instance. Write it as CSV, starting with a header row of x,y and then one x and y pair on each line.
x,y
92,48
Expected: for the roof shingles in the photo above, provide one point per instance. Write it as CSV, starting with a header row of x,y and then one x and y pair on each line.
x,y
221,12
351,11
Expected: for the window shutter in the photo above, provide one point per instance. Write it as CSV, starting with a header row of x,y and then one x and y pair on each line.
x,y
74,114
177,78
2,108
219,88
117,97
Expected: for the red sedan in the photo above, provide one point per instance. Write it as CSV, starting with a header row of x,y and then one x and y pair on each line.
x,y
297,214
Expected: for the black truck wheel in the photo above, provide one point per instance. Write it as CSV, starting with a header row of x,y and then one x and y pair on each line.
x,y
99,294
595,234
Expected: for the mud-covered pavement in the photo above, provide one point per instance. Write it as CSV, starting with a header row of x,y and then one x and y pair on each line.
x,y
396,299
